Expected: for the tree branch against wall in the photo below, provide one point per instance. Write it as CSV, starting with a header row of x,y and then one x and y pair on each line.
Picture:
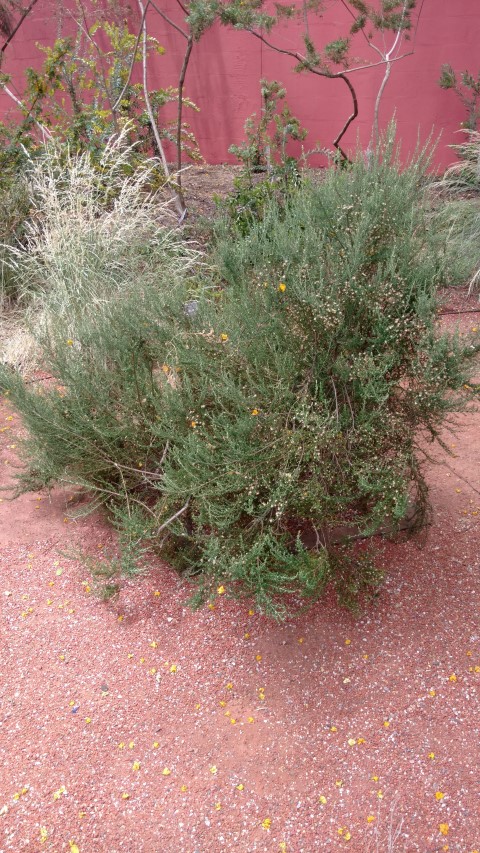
x,y
335,60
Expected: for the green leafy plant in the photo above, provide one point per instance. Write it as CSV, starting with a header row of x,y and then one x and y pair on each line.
x,y
467,88
265,148
245,421
84,93
265,152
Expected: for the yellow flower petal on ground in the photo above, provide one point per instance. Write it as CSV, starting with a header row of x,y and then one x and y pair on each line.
x,y
266,823
218,806
351,741
380,795
370,818
282,846
183,789
74,847
432,693
229,686
333,729
258,658
347,836
125,796
361,740
254,412
348,642
154,644
439,795
443,828
431,755
213,769
251,613
452,677
322,800
166,771
58,794
282,287
136,765
223,337
239,787
43,831
221,590
250,720
173,668
155,744
157,593
131,744
88,720
246,636
386,723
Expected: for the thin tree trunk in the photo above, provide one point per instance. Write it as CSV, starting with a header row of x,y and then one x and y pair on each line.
x,y
181,81
375,130
179,200
351,118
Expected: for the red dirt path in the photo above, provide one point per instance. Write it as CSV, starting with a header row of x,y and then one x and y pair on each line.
x,y
379,716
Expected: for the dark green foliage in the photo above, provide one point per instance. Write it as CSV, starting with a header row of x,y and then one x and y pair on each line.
x,y
235,423
467,88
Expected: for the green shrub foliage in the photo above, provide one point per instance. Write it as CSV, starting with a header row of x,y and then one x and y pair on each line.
x,y
228,420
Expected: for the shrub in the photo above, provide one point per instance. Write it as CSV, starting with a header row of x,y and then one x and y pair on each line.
x,y
231,422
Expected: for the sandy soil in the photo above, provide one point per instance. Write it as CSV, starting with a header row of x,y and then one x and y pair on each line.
x,y
142,727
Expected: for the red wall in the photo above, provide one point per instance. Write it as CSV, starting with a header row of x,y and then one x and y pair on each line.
x,y
226,66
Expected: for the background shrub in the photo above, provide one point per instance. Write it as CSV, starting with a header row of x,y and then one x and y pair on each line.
x,y
225,420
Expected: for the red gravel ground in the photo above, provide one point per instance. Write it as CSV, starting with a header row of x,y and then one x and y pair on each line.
x,y
142,727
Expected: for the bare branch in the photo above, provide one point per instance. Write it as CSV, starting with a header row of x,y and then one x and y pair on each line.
x,y
173,517
134,56
374,64
44,130
182,7
17,27
179,200
168,20
181,81
351,118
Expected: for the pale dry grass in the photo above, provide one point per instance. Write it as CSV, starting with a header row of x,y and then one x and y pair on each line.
x,y
95,229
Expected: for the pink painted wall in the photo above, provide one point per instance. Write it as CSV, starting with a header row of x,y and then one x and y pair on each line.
x,y
226,67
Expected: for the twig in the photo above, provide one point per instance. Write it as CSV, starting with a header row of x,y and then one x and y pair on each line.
x,y
22,106
134,55
168,20
16,28
173,517
351,118
178,200
388,57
